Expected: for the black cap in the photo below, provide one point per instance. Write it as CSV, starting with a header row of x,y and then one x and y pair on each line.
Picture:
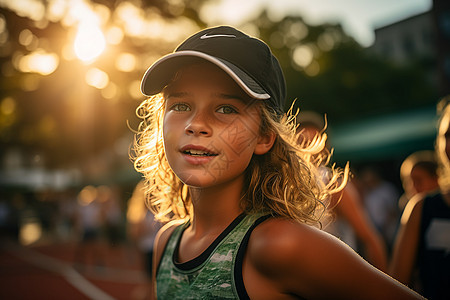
x,y
247,60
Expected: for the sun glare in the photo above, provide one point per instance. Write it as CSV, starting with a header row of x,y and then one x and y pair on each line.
x,y
39,62
89,42
126,62
97,78
302,56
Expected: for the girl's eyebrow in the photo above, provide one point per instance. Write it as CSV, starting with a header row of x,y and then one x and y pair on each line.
x,y
177,94
223,96
230,96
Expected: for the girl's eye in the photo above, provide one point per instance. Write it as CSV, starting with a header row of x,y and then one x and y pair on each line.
x,y
180,107
226,110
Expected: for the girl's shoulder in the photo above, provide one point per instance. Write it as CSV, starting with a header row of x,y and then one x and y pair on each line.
x,y
163,236
292,257
413,209
279,241
166,230
299,259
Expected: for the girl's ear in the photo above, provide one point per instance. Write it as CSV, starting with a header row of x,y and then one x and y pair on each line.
x,y
265,143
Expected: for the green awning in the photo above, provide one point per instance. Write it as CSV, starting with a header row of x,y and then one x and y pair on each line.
x,y
385,137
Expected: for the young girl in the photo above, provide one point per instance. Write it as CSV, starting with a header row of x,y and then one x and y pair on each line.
x,y
219,157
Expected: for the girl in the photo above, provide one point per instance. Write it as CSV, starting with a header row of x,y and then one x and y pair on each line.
x,y
219,157
418,174
421,253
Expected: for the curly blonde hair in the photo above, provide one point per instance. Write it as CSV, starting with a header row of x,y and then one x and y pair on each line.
x,y
441,141
289,181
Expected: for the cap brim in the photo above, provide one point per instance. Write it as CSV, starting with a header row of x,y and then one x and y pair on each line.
x,y
162,72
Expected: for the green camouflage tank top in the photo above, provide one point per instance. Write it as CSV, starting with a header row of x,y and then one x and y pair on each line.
x,y
216,273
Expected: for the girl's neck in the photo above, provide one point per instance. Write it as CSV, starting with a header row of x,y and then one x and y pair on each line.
x,y
215,207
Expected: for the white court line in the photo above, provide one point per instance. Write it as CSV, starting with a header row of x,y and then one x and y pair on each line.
x,y
56,266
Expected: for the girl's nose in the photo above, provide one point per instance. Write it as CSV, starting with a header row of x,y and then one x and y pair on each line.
x,y
199,125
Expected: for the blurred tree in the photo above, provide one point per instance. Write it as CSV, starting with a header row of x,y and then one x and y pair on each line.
x,y
329,72
76,114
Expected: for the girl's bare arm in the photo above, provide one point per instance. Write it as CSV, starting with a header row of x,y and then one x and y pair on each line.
x,y
299,260
406,242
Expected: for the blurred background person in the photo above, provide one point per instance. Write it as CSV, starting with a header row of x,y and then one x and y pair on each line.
x,y
10,211
112,214
380,198
423,241
112,224
352,224
67,208
89,223
418,174
142,229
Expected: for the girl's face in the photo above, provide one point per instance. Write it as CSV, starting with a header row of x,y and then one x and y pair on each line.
x,y
447,141
444,136
211,127
422,181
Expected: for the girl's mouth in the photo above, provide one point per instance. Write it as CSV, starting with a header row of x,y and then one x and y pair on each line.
x,y
198,153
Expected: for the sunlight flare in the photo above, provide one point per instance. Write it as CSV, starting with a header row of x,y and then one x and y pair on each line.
x,y
39,62
89,42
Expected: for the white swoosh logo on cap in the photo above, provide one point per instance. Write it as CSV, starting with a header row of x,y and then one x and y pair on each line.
x,y
206,36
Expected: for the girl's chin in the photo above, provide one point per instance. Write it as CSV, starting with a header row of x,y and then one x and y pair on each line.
x,y
196,181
